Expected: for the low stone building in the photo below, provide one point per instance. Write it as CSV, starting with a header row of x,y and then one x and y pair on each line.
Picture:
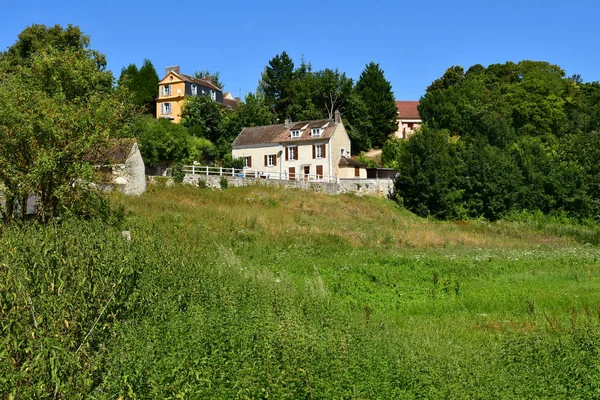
x,y
119,165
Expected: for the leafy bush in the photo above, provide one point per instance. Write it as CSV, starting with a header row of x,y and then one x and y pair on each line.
x,y
160,140
224,183
178,174
202,184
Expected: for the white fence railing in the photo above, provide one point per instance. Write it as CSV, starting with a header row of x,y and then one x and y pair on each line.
x,y
251,173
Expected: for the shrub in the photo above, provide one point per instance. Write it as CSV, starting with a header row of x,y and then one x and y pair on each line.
x,y
202,184
224,183
178,173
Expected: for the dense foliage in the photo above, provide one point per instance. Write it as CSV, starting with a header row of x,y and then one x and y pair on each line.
x,y
142,83
368,108
503,138
57,105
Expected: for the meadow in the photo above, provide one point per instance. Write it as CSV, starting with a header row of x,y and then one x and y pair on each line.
x,y
259,292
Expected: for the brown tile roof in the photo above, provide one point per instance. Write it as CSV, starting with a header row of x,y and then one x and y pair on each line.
x,y
279,133
232,103
113,151
408,109
350,162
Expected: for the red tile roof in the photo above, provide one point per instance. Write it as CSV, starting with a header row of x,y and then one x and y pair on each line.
x,y
407,109
279,133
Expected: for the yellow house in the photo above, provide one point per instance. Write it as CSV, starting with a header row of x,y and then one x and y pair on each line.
x,y
175,87
307,150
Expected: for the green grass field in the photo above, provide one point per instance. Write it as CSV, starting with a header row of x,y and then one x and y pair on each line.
x,y
261,292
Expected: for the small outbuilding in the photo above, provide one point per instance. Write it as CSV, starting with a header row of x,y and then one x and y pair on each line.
x,y
351,169
119,165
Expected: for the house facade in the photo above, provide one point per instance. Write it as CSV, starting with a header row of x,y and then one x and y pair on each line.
x,y
409,119
306,150
175,87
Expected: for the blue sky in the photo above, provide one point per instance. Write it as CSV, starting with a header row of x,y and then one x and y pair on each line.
x,y
414,42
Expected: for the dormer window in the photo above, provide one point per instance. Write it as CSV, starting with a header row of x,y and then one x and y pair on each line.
x,y
315,132
213,95
194,90
296,133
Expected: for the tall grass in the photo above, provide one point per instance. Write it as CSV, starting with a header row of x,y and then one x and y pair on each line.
x,y
266,293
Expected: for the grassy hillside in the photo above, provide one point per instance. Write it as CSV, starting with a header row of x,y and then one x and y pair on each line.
x,y
263,293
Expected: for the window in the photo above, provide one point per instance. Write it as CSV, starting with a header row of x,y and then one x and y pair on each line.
x,y
318,151
343,152
166,90
247,162
166,108
296,133
410,125
291,153
315,132
213,95
270,160
194,90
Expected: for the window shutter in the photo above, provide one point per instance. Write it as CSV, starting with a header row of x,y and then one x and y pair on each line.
x,y
249,162
274,160
314,152
323,153
265,160
286,154
296,153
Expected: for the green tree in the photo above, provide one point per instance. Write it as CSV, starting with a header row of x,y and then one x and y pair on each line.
x,y
55,107
332,90
376,93
161,140
428,181
202,117
358,122
275,84
143,85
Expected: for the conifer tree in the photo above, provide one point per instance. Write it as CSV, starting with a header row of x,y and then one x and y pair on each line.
x,y
376,93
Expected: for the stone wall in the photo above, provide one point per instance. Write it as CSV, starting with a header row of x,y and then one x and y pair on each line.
x,y
360,187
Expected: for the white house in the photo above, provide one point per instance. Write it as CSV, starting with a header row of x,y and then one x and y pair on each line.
x,y
308,150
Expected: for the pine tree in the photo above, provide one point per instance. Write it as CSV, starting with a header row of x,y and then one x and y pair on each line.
x,y
376,93
143,84
276,82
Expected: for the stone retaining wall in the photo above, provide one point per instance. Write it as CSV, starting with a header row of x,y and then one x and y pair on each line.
x,y
360,187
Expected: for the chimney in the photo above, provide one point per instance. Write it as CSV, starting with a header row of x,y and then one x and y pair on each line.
x,y
288,123
174,68
337,117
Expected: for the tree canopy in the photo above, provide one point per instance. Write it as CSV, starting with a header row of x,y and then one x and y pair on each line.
x,y
57,103
516,136
143,85
368,108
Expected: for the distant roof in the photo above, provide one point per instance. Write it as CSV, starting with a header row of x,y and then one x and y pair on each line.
x,y
200,81
408,109
113,151
280,133
350,162
231,103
